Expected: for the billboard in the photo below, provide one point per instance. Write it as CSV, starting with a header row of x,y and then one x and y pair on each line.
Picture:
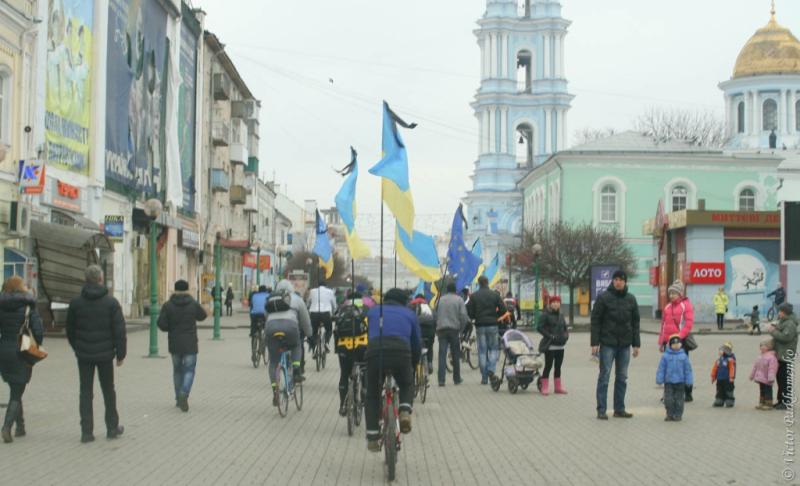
x,y
136,96
601,279
187,96
752,269
68,84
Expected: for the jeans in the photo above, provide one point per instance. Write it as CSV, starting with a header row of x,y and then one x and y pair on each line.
x,y
105,371
183,366
621,355
674,396
449,338
399,364
488,350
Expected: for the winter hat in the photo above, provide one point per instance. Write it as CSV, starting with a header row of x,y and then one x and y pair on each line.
x,y
677,287
396,296
181,286
555,298
727,347
675,338
786,308
620,274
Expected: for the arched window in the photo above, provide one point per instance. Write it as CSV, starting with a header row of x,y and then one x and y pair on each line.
x,y
680,195
740,117
524,71
524,146
608,204
769,113
747,200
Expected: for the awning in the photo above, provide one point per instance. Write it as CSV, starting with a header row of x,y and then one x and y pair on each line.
x,y
63,254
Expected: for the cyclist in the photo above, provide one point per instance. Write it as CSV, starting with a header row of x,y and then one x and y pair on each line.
x,y
427,324
322,304
287,314
780,295
258,305
351,341
395,348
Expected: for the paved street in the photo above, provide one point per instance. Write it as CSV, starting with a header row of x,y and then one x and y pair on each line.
x,y
463,435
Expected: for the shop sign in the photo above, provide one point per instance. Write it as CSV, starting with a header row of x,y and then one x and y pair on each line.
x,y
264,263
31,176
654,276
114,227
249,260
190,239
64,196
705,273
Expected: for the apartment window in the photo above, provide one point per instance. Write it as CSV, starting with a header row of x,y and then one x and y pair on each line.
x,y
608,204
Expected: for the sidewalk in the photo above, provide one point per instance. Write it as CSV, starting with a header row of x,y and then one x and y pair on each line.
x,y
649,325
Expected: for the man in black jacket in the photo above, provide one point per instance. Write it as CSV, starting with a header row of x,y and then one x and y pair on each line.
x,y
615,328
179,316
484,307
96,332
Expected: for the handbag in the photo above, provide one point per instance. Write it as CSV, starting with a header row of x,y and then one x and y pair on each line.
x,y
689,343
29,350
545,343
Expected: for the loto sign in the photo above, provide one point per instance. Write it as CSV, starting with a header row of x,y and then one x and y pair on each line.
x,y
705,273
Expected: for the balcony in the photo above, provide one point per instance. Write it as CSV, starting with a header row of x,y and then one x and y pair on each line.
x,y
219,181
252,143
251,204
220,134
238,148
238,195
252,164
252,125
245,109
222,86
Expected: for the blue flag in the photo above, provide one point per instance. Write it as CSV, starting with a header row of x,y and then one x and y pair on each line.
x,y
462,264
323,248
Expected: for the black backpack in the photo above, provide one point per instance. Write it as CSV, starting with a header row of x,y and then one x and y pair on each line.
x,y
279,301
350,321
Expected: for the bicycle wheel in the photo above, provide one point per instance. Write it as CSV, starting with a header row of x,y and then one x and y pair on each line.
x,y
424,388
324,350
358,399
264,355
771,313
318,353
471,353
417,378
283,393
298,396
350,409
254,350
448,363
390,443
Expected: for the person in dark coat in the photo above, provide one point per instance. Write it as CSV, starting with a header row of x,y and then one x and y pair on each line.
x,y
14,300
229,301
179,316
553,329
484,307
96,332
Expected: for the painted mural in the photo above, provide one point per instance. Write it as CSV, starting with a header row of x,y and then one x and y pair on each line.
x,y
136,96
753,270
68,101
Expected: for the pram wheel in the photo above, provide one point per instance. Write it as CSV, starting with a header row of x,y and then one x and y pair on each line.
x,y
539,384
495,384
524,386
513,386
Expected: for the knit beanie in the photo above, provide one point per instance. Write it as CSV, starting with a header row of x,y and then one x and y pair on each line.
x,y
620,274
181,286
677,287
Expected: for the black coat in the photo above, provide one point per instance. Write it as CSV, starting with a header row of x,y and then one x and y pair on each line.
x,y
179,316
12,315
615,319
485,306
553,328
96,326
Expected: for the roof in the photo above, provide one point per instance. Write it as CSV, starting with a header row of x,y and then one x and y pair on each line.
x,y
771,50
219,48
633,141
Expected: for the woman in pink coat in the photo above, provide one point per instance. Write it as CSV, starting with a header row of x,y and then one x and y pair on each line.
x,y
677,318
764,370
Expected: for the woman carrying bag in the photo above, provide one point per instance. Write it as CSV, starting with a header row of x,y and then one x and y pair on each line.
x,y
678,318
15,303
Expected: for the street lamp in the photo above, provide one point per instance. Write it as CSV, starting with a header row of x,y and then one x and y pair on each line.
x,y
537,250
153,208
217,286
258,265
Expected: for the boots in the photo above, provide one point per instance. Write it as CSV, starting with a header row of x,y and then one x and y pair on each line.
x,y
688,396
559,389
183,402
765,405
545,385
20,431
11,417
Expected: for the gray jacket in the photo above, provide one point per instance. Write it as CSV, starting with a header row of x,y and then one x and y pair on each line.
x,y
298,312
451,313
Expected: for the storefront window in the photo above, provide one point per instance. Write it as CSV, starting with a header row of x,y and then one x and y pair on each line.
x,y
747,200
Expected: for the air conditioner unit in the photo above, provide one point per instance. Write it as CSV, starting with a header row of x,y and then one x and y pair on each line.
x,y
19,223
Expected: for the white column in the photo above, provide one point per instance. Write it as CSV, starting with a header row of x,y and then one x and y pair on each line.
x,y
548,130
754,112
564,132
546,55
782,113
563,57
492,130
504,130
506,74
792,112
557,55
486,49
492,56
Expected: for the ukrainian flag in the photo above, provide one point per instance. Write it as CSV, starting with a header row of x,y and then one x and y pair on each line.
x,y
346,205
417,253
323,248
393,168
477,250
493,271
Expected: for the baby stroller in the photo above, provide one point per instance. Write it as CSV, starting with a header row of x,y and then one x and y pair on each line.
x,y
521,362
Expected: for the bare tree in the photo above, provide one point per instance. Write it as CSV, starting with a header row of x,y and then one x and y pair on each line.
x,y
587,134
568,253
701,128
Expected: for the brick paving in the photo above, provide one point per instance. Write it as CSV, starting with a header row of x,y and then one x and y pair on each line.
x,y
463,435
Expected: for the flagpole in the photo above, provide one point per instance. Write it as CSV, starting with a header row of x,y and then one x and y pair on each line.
x,y
395,265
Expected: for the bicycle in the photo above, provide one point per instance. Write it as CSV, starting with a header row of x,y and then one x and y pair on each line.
x,y
469,350
285,386
390,425
354,400
258,344
421,377
772,312
319,349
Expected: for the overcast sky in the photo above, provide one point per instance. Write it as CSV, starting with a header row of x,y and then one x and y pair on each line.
x,y
622,57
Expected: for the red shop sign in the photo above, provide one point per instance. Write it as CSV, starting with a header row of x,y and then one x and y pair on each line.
x,y
248,260
654,276
706,273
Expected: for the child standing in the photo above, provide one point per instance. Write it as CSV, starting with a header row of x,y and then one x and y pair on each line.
x,y
675,373
764,370
755,324
724,372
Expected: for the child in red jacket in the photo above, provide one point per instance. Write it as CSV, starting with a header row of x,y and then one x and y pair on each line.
x,y
724,372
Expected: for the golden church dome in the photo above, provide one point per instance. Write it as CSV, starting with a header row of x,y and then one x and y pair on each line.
x,y
772,50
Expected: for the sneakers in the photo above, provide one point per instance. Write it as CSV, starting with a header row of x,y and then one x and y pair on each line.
x,y
441,384
766,405
719,402
668,419
729,403
602,416
677,419
275,398
405,422
115,433
373,445
623,414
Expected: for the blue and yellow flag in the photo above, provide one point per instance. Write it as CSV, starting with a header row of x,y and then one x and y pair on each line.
x,y
417,253
393,168
346,205
420,290
477,250
493,271
323,248
462,264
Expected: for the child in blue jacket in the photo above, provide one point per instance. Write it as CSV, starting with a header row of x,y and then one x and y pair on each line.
x,y
675,373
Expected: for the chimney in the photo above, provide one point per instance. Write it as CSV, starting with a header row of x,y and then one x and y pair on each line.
x,y
701,204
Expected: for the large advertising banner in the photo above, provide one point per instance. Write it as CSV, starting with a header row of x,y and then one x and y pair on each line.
x,y
186,107
752,271
68,84
601,279
136,96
